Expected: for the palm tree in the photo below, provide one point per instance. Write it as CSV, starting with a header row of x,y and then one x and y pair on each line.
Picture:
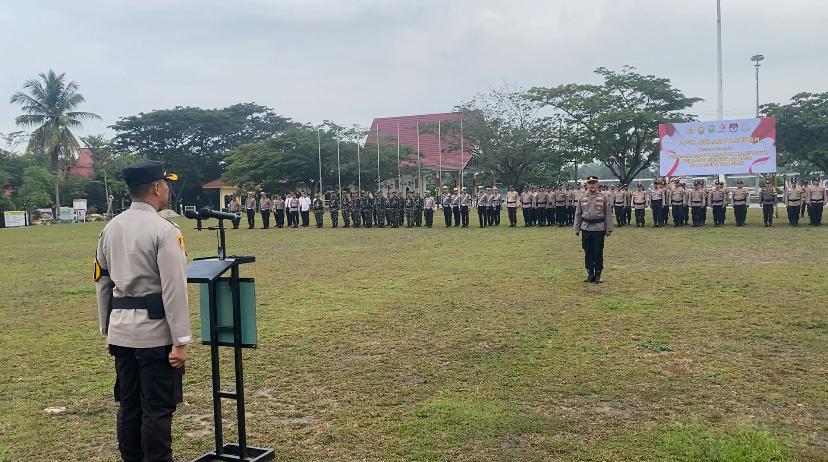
x,y
49,104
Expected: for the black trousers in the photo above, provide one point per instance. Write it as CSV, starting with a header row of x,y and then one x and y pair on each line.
x,y
447,215
570,215
696,210
496,213
464,215
251,218
456,212
305,218
656,206
147,389
639,217
265,219
482,216
740,212
718,215
527,217
767,213
628,214
540,215
429,217
593,244
815,212
793,215
280,217
512,216
620,215
561,215
294,217
686,214
678,215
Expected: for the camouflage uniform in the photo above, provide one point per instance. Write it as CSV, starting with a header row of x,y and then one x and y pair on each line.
x,y
367,210
318,209
356,210
333,207
346,209
418,210
409,210
380,209
395,205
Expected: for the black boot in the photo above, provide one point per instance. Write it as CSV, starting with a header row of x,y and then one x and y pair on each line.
x,y
597,278
590,276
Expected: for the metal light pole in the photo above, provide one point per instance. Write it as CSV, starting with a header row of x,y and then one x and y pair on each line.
x,y
757,58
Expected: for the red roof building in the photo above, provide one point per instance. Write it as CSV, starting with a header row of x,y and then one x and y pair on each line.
x,y
82,165
452,158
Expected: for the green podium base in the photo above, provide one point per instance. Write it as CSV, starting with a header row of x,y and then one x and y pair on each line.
x,y
231,452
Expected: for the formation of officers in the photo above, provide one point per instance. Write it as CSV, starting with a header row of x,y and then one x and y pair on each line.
x,y
670,202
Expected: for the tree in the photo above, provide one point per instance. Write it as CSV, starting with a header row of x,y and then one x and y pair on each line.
x,y
37,180
508,138
802,131
193,142
616,122
291,158
49,104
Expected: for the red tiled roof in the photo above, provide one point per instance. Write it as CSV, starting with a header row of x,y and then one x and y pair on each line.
x,y
82,166
452,158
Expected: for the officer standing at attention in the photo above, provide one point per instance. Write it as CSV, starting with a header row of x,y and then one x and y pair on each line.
x,y
333,208
264,208
512,204
767,200
619,202
739,198
234,207
495,202
593,222
250,210
445,204
482,203
698,199
717,199
455,207
793,201
639,203
526,206
817,197
141,285
428,208
318,207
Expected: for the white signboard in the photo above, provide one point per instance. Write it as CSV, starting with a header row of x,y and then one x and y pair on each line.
x,y
79,204
15,218
67,214
735,146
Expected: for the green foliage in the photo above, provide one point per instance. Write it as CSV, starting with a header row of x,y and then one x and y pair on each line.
x,y
802,131
193,142
49,106
692,442
656,346
291,158
37,181
6,203
616,122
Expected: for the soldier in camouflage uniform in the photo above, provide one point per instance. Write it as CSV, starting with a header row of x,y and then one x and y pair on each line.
x,y
408,206
393,210
333,207
367,209
318,209
418,210
380,206
356,210
345,204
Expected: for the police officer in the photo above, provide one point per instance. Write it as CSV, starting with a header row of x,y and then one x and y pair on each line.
x,y
793,201
717,199
678,198
428,209
250,210
233,206
698,199
619,203
639,203
141,286
657,195
526,206
482,203
512,204
739,198
593,221
817,197
264,208
767,200
445,204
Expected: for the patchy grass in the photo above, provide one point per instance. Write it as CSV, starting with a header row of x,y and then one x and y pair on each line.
x,y
416,344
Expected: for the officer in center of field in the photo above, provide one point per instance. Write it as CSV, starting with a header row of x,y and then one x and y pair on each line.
x,y
593,222
141,287
793,201
767,200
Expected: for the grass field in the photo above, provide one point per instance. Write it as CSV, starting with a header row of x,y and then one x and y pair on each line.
x,y
417,344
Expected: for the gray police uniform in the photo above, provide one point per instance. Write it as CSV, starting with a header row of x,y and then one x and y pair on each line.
x,y
593,219
141,285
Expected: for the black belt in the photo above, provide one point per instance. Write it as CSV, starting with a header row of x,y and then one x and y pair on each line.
x,y
129,303
740,204
717,202
818,202
678,203
592,220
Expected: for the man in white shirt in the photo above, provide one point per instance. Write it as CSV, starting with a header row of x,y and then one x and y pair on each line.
x,y
304,209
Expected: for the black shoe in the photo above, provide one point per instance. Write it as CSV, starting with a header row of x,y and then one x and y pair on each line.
x,y
590,276
597,278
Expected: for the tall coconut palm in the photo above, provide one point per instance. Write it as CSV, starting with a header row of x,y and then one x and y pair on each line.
x,y
49,104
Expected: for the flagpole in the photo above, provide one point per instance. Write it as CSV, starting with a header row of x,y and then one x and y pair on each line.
x,y
440,148
720,91
399,177
338,168
359,167
379,177
319,144
419,174
462,165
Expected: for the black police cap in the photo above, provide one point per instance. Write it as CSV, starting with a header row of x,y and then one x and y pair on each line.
x,y
146,172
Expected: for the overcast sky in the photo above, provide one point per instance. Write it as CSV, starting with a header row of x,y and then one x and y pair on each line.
x,y
353,60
